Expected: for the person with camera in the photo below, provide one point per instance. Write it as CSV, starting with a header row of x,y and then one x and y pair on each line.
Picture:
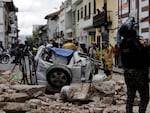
x,y
94,53
135,60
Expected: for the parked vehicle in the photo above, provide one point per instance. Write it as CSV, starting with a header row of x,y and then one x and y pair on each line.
x,y
4,58
57,67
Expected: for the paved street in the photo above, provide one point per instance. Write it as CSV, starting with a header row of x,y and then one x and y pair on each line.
x,y
11,66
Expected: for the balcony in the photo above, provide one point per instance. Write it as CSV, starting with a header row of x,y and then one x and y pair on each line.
x,y
86,22
12,35
69,29
86,18
100,20
67,6
10,5
68,9
74,2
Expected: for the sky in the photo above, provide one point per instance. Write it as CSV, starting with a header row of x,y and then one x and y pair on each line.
x,y
33,12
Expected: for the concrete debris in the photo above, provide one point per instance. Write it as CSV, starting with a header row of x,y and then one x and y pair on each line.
x,y
6,72
76,92
96,97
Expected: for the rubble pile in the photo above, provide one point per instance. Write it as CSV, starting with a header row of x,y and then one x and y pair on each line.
x,y
95,97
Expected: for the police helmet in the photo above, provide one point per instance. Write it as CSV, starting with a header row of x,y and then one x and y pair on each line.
x,y
127,27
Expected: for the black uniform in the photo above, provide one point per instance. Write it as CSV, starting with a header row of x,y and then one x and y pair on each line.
x,y
135,60
137,80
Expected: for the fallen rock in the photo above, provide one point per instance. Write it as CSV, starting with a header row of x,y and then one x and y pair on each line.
x,y
6,72
106,87
107,100
1,111
16,97
76,92
13,107
31,90
98,110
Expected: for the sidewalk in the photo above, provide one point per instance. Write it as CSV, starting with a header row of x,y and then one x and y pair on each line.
x,y
115,69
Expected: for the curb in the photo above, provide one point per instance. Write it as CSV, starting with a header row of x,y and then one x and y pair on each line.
x,y
115,70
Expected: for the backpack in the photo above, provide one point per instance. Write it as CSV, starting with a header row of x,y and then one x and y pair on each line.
x,y
133,53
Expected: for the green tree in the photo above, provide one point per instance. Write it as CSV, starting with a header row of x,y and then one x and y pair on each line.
x,y
30,38
33,39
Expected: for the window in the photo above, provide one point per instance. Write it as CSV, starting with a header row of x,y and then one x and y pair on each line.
x,y
89,9
94,7
85,11
81,12
78,15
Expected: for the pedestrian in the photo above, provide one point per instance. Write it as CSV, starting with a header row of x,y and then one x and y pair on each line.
x,y
116,54
1,49
17,51
50,44
82,45
94,53
78,46
107,58
69,44
135,60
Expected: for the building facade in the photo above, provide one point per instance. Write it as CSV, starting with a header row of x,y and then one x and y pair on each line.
x,y
76,31
140,10
8,23
53,24
105,21
83,12
144,18
97,20
68,18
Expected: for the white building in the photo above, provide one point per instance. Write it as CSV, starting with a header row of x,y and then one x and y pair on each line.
x,y
76,4
53,24
83,11
68,18
61,23
8,23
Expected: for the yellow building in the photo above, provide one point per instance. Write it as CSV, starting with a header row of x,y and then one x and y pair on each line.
x,y
101,22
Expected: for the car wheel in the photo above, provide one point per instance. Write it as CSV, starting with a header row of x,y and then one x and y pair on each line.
x,y
59,76
5,59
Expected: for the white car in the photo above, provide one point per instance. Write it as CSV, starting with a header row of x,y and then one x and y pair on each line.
x,y
57,67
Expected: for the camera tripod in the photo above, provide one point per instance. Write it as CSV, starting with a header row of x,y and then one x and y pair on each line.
x,y
26,66
22,66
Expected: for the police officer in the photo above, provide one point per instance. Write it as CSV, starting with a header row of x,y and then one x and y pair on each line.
x,y
134,57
